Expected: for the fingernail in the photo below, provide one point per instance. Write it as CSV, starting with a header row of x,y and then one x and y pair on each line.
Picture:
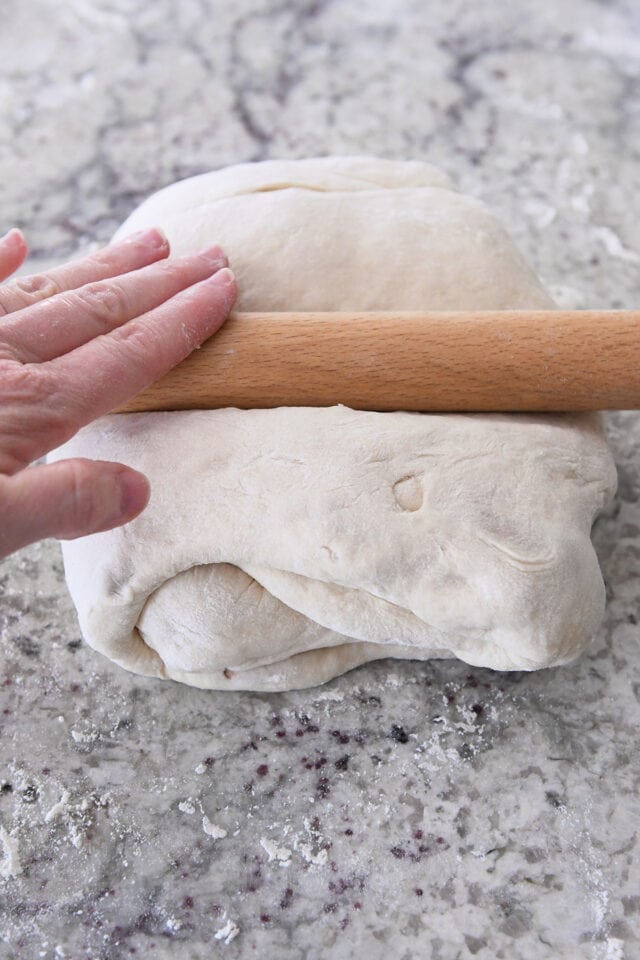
x,y
214,254
134,493
153,237
223,278
14,238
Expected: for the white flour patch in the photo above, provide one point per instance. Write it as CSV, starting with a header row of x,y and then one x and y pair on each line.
x,y
329,695
229,932
57,808
306,852
10,865
90,736
212,830
615,949
274,851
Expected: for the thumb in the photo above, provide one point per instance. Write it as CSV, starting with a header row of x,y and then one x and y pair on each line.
x,y
68,499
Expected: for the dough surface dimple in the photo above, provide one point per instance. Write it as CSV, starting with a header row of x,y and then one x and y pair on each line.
x,y
283,547
408,493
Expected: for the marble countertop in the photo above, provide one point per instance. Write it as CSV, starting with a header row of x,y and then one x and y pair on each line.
x,y
404,810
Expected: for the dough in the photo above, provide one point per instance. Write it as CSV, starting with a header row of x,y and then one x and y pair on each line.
x,y
283,547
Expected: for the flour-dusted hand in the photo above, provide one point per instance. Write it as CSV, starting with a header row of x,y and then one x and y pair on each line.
x,y
76,342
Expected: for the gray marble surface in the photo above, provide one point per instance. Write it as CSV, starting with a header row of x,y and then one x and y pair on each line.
x,y
406,811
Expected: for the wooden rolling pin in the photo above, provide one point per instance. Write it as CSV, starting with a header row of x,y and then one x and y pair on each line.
x,y
546,360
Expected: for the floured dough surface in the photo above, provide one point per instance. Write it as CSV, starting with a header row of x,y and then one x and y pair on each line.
x,y
283,547
346,234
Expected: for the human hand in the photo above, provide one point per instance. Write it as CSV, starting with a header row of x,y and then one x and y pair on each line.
x,y
75,343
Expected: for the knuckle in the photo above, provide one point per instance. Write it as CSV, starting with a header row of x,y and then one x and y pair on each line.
x,y
23,383
106,302
33,398
145,351
19,417
138,339
39,286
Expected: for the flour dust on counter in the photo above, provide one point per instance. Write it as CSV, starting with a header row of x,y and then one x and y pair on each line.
x,y
400,805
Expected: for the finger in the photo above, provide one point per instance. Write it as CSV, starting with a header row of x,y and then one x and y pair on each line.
x,y
44,404
133,252
102,374
68,320
68,499
13,250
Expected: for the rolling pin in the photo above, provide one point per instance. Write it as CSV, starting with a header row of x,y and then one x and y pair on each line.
x,y
546,360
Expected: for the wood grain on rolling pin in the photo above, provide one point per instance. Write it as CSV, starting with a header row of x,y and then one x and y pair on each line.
x,y
507,360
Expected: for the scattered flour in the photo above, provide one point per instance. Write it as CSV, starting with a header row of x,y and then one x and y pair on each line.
x,y
615,949
306,851
90,736
10,865
57,808
212,830
229,932
274,851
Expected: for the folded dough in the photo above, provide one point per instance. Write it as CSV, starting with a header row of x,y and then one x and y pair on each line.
x,y
283,547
